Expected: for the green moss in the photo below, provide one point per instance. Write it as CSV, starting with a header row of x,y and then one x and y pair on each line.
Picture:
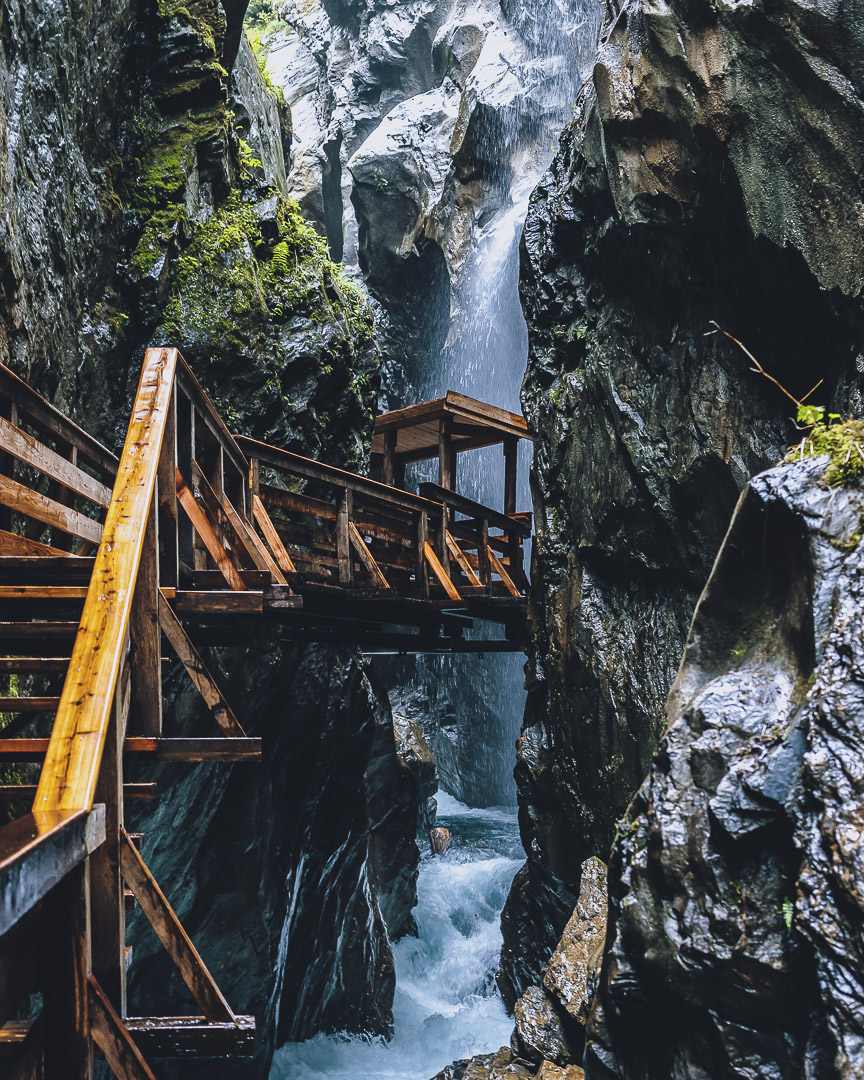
x,y
160,174
842,440
160,230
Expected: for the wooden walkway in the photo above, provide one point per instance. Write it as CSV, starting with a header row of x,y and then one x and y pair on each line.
x,y
111,568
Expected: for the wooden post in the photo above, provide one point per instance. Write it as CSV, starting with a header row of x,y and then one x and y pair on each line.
x,y
484,569
343,540
166,488
445,480
422,538
106,885
511,458
146,716
390,438
66,964
185,418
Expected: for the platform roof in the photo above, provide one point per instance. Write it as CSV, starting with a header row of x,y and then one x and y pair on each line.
x,y
471,424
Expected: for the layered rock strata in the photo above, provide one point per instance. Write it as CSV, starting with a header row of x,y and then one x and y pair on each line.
x,y
735,944
709,175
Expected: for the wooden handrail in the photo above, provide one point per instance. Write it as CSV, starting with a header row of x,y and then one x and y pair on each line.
x,y
473,509
329,474
68,777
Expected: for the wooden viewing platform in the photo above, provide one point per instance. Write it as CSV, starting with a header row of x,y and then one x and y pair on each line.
x,y
111,568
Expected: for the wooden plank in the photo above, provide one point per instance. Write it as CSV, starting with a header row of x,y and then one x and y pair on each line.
x,y
438,571
197,671
511,459
37,851
193,1036
248,602
27,449
12,544
13,792
68,779
34,664
110,1034
227,749
205,530
484,568
43,592
50,512
459,555
498,567
271,536
343,540
389,451
55,423
366,558
29,704
174,938
145,642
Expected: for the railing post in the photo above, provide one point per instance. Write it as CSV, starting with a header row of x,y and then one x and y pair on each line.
x,y
66,965
344,552
485,570
146,713
166,487
421,571
511,459
390,438
106,884
9,410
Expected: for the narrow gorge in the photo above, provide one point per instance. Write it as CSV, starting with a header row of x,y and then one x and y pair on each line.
x,y
569,786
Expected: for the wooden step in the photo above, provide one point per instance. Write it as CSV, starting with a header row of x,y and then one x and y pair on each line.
x,y
161,749
43,592
29,704
10,792
41,664
192,1036
37,628
40,569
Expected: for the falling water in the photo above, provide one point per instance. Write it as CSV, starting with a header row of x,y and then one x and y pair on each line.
x,y
447,1006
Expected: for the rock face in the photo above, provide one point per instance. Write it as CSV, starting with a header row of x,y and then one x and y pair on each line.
x,y
689,188
735,943
414,124
293,876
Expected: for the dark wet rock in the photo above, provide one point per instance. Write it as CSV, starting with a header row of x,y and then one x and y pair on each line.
x,y
685,190
285,873
735,943
539,1035
573,971
417,759
440,839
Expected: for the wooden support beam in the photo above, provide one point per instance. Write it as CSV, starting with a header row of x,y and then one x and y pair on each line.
x,y
272,537
166,490
262,558
12,792
227,522
421,541
197,671
440,573
207,533
203,601
366,558
193,1036
390,438
146,644
343,539
511,458
484,569
174,938
459,555
113,1038
29,704
65,944
499,569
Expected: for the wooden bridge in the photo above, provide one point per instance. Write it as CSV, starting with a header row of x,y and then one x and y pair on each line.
x,y
183,541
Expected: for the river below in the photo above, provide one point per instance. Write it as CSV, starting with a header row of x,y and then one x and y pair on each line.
x,y
447,1005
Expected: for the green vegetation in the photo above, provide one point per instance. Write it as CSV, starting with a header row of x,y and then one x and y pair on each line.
x,y
842,440
261,23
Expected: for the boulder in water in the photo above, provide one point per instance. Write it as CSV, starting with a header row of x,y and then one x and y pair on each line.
x,y
498,1066
440,840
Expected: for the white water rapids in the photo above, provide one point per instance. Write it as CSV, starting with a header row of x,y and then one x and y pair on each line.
x,y
446,1005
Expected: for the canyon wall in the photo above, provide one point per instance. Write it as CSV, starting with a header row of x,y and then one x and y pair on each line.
x,y
143,164
710,174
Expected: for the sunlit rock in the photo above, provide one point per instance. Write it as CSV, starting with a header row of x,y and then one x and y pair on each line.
x,y
539,1034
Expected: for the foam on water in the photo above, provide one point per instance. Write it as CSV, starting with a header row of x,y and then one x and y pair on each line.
x,y
447,1005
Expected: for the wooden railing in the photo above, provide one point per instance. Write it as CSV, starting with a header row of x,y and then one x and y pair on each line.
x,y
335,528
